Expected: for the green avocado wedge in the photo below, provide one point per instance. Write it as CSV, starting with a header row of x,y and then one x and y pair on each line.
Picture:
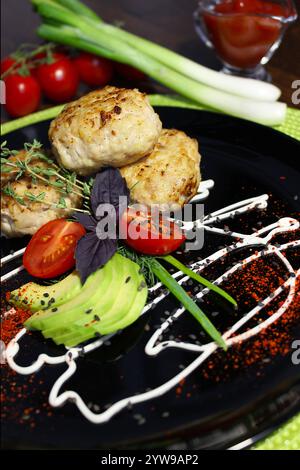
x,y
97,286
111,299
67,319
82,303
35,297
126,308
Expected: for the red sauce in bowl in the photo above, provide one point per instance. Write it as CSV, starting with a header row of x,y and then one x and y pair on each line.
x,y
239,34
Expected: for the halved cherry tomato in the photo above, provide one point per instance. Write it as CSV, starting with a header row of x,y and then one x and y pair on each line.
x,y
93,70
150,234
50,252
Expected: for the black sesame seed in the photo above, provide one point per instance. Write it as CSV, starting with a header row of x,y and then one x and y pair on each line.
x,y
97,335
52,300
42,302
96,318
89,310
127,279
46,294
54,309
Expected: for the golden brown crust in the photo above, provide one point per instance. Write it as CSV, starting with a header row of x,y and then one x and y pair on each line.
x,y
170,175
107,127
17,219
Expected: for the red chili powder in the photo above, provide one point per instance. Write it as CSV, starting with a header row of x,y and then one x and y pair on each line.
x,y
257,280
12,323
14,391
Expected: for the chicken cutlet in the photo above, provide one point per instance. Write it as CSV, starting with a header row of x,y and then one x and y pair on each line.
x,y
170,175
26,217
107,127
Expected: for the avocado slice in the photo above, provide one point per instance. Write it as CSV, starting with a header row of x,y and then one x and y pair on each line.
x,y
82,303
61,323
35,297
123,310
132,315
124,302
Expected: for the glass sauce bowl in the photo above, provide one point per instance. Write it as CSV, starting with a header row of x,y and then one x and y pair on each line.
x,y
244,33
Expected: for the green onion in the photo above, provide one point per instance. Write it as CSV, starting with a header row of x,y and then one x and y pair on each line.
x,y
172,285
78,7
33,118
177,264
247,88
83,33
51,113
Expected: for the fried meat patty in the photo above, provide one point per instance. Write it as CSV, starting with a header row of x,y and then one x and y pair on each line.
x,y
107,127
18,219
169,175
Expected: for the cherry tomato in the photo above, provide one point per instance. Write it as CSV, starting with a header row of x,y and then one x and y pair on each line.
x,y
93,70
23,95
59,80
6,64
129,73
50,251
150,234
33,66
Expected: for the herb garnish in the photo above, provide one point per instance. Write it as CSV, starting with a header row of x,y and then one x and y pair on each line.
x,y
62,180
91,252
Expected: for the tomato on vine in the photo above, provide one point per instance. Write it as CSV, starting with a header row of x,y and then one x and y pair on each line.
x,y
93,70
58,78
22,94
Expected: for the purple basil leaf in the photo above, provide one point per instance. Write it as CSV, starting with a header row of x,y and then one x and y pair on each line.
x,y
108,186
92,253
88,221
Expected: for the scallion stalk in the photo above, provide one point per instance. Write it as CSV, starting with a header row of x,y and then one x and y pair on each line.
x,y
185,270
30,119
83,36
172,285
80,8
247,88
244,87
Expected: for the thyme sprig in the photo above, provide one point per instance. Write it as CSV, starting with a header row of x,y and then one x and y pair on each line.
x,y
68,181
61,204
61,179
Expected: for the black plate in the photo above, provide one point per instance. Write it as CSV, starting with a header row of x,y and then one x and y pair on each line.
x,y
216,411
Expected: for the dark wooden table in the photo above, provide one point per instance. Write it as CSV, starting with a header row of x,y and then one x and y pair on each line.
x,y
168,22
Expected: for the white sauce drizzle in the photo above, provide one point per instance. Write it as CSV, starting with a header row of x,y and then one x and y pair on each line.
x,y
203,190
260,238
